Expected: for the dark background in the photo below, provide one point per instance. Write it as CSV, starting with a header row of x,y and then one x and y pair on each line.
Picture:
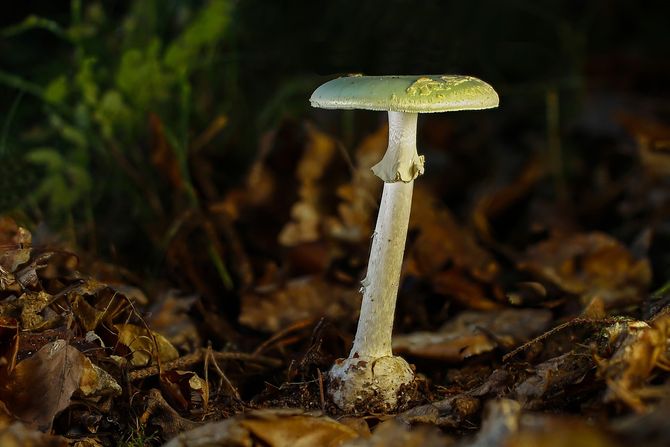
x,y
594,58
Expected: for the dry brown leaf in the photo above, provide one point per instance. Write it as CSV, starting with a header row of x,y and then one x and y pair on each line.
x,y
94,302
638,349
8,282
473,333
310,297
501,419
186,389
88,442
441,240
96,382
169,317
269,427
20,435
32,304
41,386
590,265
278,428
26,275
305,224
15,245
259,187
556,431
393,433
505,425
147,346
30,309
550,379
456,285
653,142
227,432
87,316
452,412
360,196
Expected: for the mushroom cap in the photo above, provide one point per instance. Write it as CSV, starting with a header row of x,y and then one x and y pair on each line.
x,y
414,94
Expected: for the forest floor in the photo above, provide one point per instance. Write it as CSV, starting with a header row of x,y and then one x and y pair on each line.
x,y
531,306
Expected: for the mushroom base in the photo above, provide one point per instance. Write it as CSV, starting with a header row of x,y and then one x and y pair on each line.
x,y
371,385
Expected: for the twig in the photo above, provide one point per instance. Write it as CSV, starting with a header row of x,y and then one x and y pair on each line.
x,y
222,375
574,322
299,325
198,357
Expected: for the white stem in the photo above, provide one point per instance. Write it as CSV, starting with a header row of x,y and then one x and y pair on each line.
x,y
401,162
380,286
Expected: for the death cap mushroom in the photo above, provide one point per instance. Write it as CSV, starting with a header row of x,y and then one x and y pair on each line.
x,y
411,94
372,378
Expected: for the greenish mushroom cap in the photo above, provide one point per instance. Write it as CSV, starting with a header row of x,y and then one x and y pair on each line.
x,y
413,94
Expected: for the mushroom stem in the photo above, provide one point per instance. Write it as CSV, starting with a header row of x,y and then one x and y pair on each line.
x,y
372,378
380,286
401,162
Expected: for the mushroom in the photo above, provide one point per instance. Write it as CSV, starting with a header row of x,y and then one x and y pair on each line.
x,y
372,379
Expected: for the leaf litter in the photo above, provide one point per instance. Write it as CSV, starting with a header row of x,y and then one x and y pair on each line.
x,y
521,328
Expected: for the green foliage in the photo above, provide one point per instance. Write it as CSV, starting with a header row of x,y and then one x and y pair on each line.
x,y
113,115
199,37
141,76
92,143
64,183
33,22
139,438
57,90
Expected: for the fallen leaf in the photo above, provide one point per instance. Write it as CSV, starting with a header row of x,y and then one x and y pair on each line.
x,y
549,380
186,389
501,419
653,142
455,284
558,431
304,298
169,317
441,240
393,433
276,428
169,421
94,303
20,435
26,276
452,412
472,333
96,382
306,219
147,346
32,304
271,428
42,386
357,210
227,432
15,245
88,442
638,349
590,265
